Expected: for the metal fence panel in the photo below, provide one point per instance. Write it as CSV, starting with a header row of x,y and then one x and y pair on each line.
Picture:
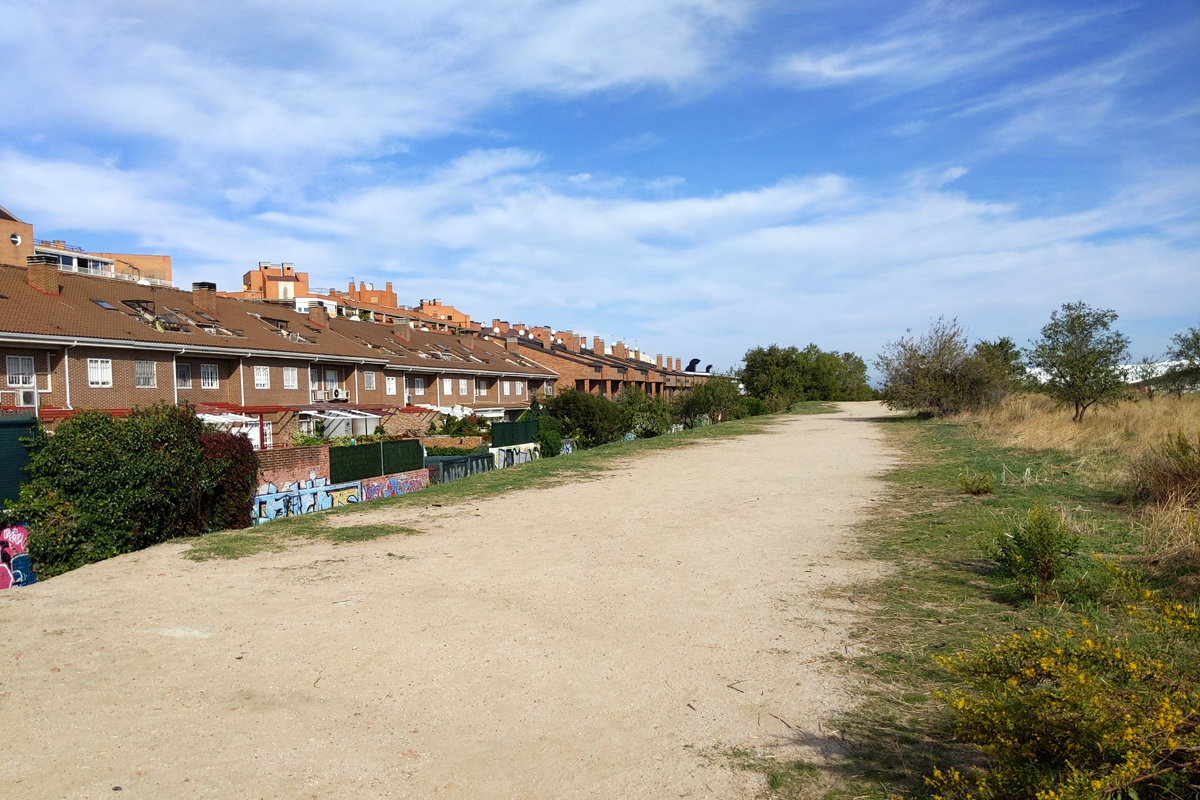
x,y
452,468
355,462
13,456
403,455
507,434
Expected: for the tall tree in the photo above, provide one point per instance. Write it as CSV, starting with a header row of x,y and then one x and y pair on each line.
x,y
1078,359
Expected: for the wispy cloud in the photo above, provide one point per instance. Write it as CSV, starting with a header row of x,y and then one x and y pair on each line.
x,y
821,258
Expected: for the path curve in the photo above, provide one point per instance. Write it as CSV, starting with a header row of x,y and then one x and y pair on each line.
x,y
588,640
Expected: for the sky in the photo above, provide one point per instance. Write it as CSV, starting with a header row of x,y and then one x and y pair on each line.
x,y
693,177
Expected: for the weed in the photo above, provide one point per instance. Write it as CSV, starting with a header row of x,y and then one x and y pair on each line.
x,y
1036,551
977,484
1169,470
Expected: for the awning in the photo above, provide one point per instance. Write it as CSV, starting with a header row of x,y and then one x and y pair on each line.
x,y
339,414
227,419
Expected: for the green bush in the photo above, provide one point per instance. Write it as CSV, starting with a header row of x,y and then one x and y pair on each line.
x,y
549,436
753,407
1036,551
715,399
102,486
792,375
1085,713
589,419
940,373
647,416
977,484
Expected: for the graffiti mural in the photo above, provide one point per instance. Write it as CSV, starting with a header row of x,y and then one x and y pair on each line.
x,y
15,567
318,494
568,447
392,485
516,454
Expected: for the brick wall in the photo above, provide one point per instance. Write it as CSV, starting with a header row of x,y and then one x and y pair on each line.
x,y
293,464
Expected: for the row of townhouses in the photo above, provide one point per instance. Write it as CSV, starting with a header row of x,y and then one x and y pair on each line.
x,y
108,331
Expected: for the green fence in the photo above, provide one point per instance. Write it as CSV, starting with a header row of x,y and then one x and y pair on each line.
x,y
507,434
13,456
360,461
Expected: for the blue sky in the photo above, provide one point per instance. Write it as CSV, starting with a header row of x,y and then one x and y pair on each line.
x,y
693,176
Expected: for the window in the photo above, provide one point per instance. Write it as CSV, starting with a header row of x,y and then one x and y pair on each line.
x,y
100,372
314,377
20,370
389,385
145,374
262,377
291,378
105,305
419,386
208,376
183,376
481,386
520,387
369,381
462,386
549,388
507,388
447,386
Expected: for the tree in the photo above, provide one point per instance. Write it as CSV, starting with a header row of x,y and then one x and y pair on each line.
x,y
648,416
781,376
939,371
716,399
1078,359
587,418
1185,352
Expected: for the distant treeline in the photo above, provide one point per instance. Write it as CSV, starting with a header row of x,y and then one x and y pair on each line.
x,y
781,376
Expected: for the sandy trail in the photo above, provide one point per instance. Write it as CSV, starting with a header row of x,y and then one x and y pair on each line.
x,y
570,642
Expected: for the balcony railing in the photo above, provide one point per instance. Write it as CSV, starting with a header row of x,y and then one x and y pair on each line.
x,y
121,276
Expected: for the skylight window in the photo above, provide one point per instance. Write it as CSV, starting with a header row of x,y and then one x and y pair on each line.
x,y
202,315
104,304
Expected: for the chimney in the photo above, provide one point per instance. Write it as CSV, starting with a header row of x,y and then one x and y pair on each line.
x,y
679,365
401,330
618,350
58,244
467,342
512,343
319,314
597,345
658,361
41,272
204,296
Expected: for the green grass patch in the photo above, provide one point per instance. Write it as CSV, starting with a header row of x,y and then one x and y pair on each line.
x,y
814,407
277,535
944,595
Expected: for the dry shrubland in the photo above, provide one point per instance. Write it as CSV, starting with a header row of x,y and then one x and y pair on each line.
x,y
1130,428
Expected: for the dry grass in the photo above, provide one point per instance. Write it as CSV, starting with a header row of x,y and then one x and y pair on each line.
x,y
1171,537
1034,422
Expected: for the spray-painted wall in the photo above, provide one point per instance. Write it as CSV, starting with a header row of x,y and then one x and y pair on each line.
x,y
516,454
15,566
318,494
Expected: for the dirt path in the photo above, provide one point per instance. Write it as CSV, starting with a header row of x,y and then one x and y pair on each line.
x,y
583,641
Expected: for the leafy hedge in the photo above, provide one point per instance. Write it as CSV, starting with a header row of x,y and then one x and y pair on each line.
x,y
102,486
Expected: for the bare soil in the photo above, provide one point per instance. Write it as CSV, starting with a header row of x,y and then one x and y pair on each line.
x,y
590,640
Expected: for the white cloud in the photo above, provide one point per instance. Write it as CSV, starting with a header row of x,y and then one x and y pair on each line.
x,y
821,258
287,80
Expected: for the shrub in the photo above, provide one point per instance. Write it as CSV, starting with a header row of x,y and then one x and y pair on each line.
x,y
940,373
101,486
589,419
549,436
647,416
1169,471
716,399
231,478
1084,713
753,407
1036,551
794,375
977,484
